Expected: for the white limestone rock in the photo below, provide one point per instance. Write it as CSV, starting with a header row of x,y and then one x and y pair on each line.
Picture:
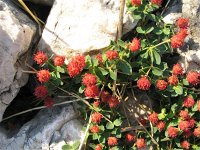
x,y
17,32
82,26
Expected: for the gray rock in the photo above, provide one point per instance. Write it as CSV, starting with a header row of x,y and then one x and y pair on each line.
x,y
190,53
49,127
18,34
82,26
43,2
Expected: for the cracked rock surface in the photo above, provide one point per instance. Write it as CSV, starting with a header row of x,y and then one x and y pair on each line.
x,y
82,26
17,34
190,53
49,127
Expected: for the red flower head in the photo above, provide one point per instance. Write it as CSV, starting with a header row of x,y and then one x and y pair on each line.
x,y
49,102
185,145
197,132
99,58
76,65
91,91
183,33
187,133
129,137
184,125
192,122
58,60
41,91
96,117
89,79
105,96
135,45
160,125
193,77
43,75
143,83
140,143
161,84
96,103
184,115
40,58
177,41
172,132
143,121
113,102
198,105
153,118
112,141
112,54
99,147
183,23
173,80
177,69
156,2
95,129
188,102
136,2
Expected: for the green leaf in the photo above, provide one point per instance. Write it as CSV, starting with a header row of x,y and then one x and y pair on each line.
x,y
109,125
157,71
60,69
81,89
185,82
178,89
113,74
140,30
166,31
121,43
75,145
149,30
157,57
100,72
95,136
117,122
88,61
125,67
66,147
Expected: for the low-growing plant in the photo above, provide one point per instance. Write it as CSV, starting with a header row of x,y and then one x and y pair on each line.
x,y
101,83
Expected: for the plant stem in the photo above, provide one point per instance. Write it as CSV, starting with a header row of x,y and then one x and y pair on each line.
x,y
152,47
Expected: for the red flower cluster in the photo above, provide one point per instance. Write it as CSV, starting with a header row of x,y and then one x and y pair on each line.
x,y
76,65
177,69
161,84
136,2
95,129
173,80
112,141
192,122
153,118
96,117
89,79
178,39
91,91
105,96
96,103
140,143
198,105
197,132
143,83
188,102
113,102
156,2
43,75
183,23
172,132
187,133
99,147
99,58
49,102
129,137
112,54
184,115
135,45
40,58
58,60
185,145
193,77
184,125
160,125
41,91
